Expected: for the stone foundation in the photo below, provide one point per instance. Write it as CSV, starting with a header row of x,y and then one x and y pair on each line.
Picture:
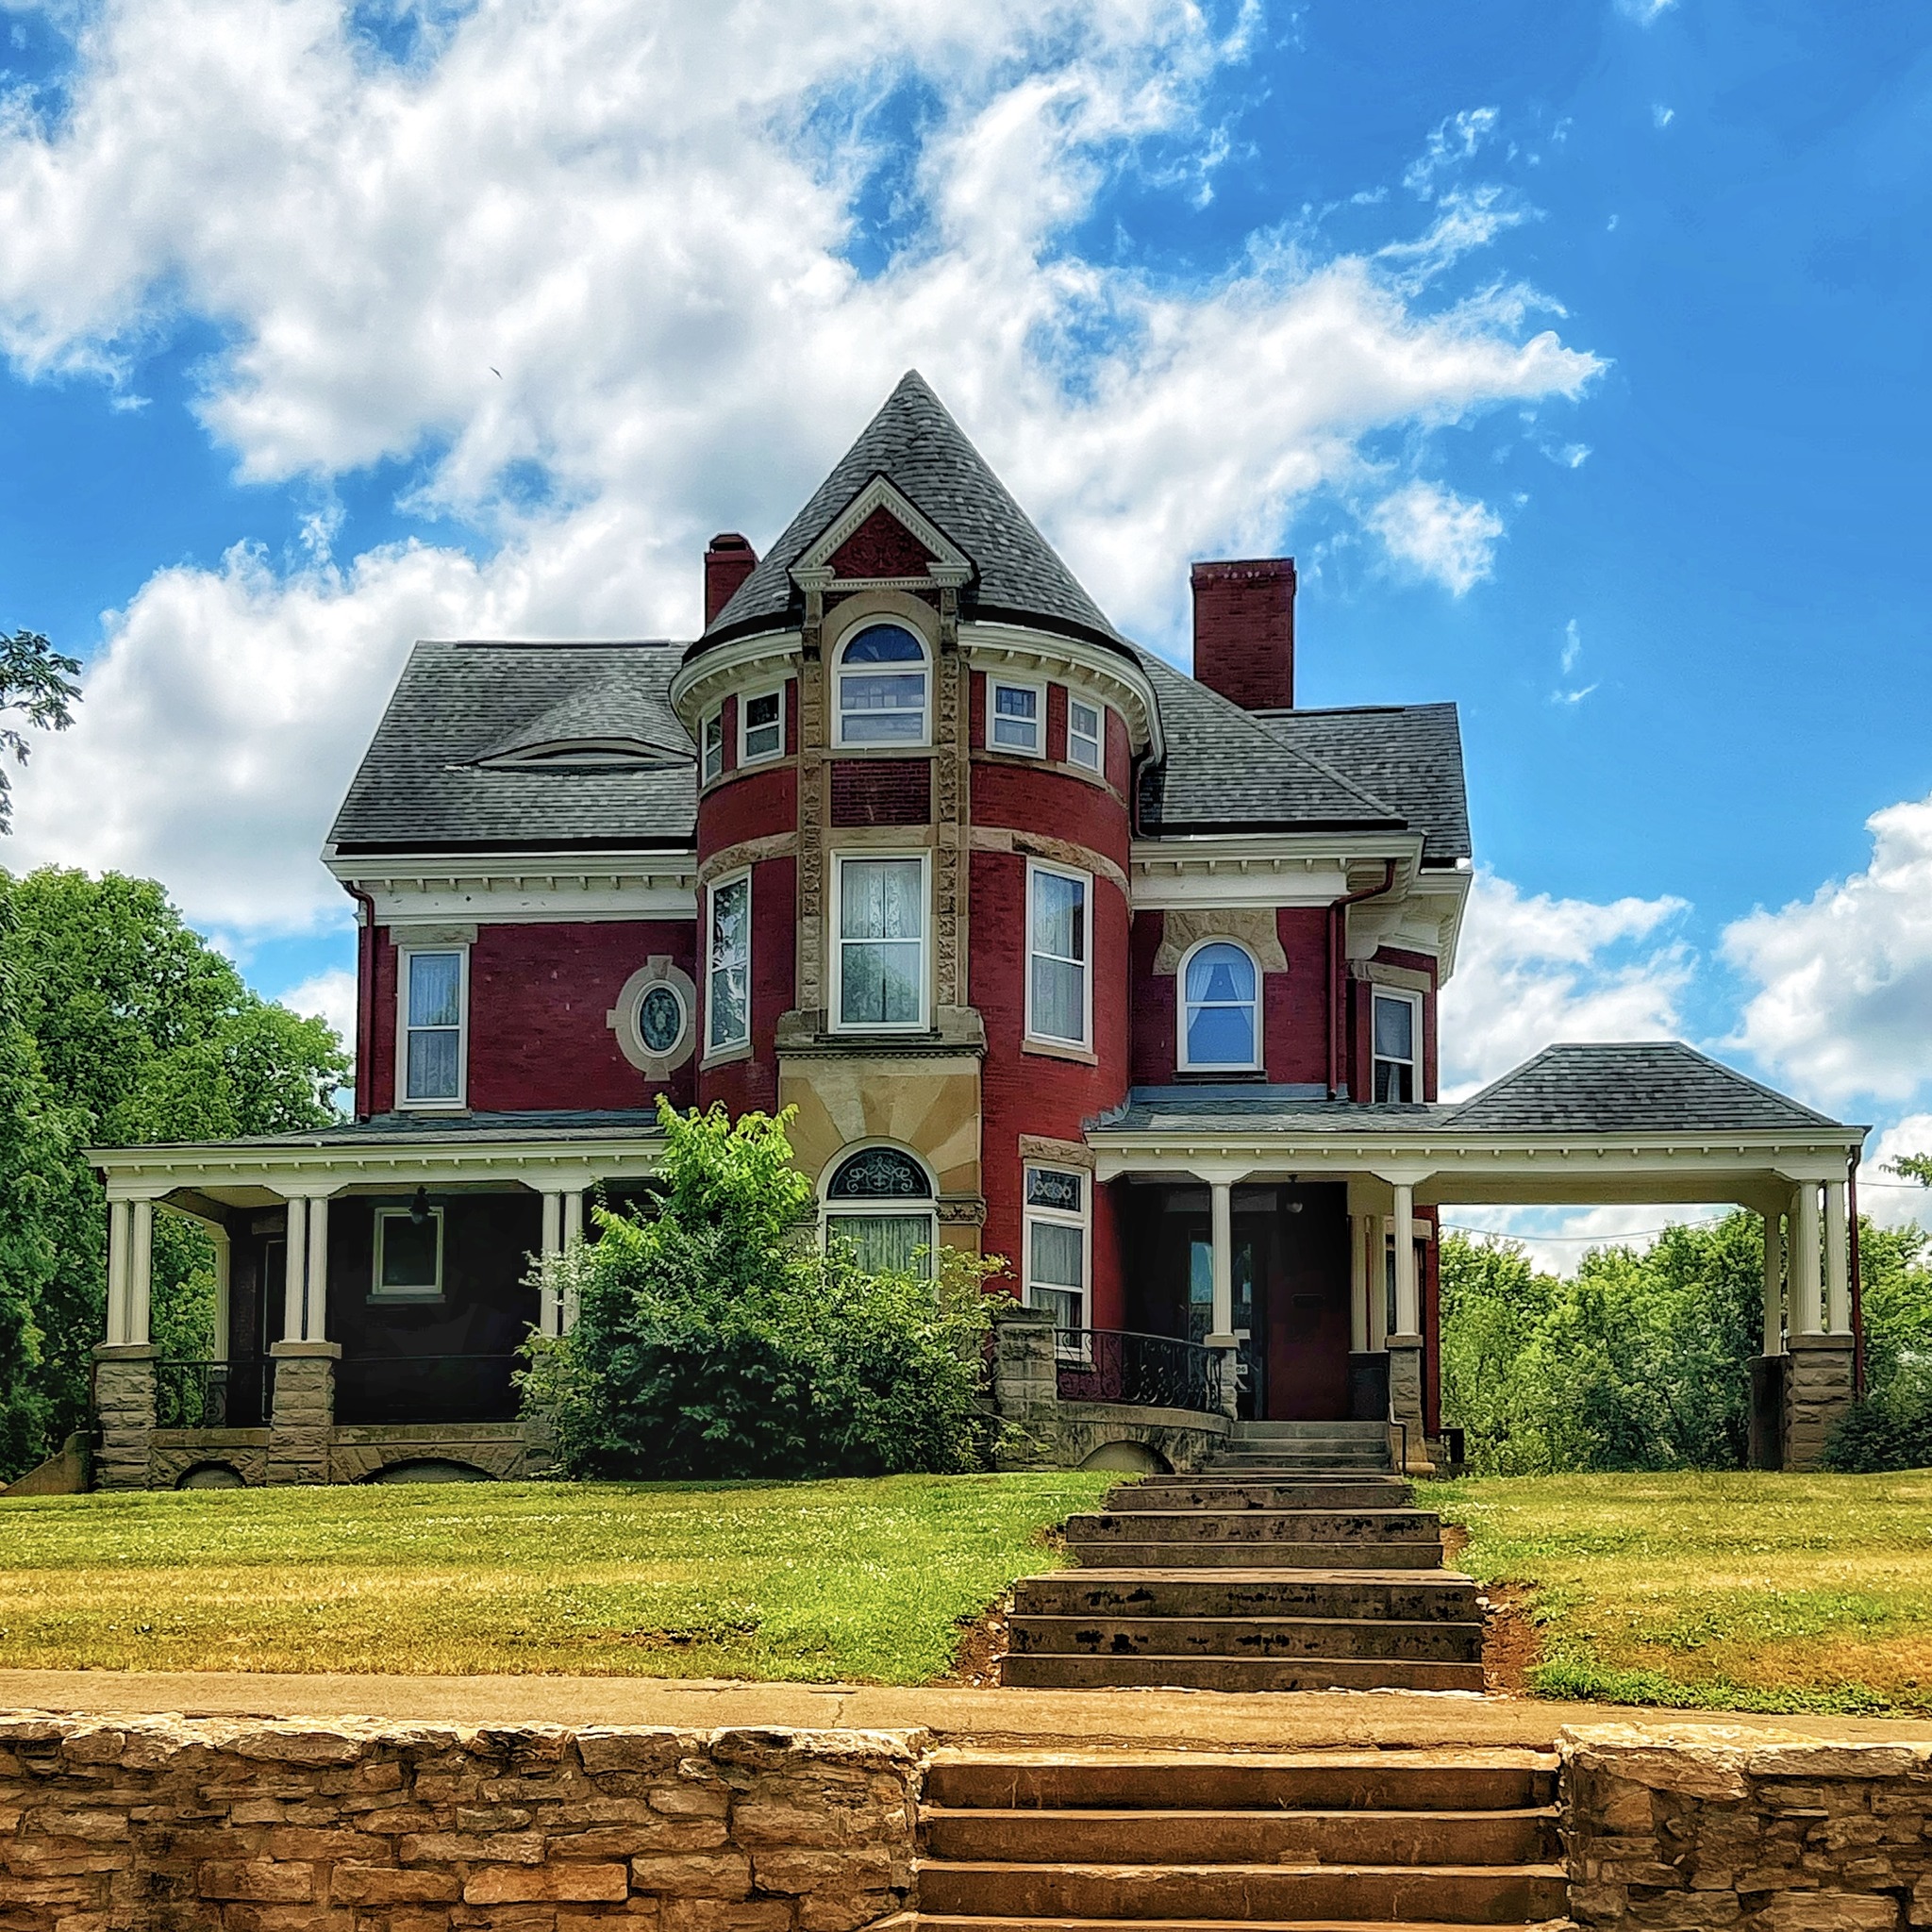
x,y
300,1432
1818,1391
125,1412
159,1824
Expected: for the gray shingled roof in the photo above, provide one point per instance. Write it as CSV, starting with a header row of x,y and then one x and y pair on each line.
x,y
1410,755
915,444
1617,1086
420,788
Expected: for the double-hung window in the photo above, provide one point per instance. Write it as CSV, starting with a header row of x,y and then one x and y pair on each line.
x,y
1059,989
880,941
1397,1030
434,996
1015,716
1086,727
1220,1009
727,968
882,687
761,727
712,749
1057,1249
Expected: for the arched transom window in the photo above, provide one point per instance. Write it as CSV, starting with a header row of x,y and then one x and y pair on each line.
x,y
883,688
881,1200
1220,1009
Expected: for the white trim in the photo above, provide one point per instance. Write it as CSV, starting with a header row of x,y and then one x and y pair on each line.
x,y
713,1044
1377,994
1182,1061
1034,868
949,564
710,723
1097,739
836,940
997,681
928,663
405,1101
1032,1216
430,889
746,756
404,1297
1084,665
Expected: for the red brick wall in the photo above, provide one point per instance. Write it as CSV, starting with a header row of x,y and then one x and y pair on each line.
x,y
1120,754
1295,1003
1153,997
762,802
881,791
881,546
1245,630
1056,804
538,997
749,1085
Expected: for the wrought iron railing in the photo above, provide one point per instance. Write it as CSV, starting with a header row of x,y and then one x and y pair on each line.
x,y
213,1395
1151,1370
426,1388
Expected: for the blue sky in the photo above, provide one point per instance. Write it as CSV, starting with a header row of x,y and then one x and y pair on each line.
x,y
1579,353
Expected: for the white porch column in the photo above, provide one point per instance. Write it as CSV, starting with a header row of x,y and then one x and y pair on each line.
x,y
550,1309
1381,1233
1837,1287
315,1276
295,1269
553,1224
1360,1230
120,1217
1408,1321
573,1217
1220,1199
218,1236
140,1272
1773,1283
1805,1257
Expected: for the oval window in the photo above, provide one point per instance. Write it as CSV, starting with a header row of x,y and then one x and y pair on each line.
x,y
660,1017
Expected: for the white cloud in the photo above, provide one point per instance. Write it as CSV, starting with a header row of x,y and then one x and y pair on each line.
x,y
1573,646
330,996
1844,1006
1452,142
1533,970
1886,1196
1644,12
610,239
1438,534
1661,116
1557,1238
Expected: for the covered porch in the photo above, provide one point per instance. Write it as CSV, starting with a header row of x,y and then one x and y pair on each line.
x,y
372,1290
1298,1236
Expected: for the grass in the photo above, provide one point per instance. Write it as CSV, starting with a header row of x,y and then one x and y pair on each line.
x,y
812,1582
1735,1592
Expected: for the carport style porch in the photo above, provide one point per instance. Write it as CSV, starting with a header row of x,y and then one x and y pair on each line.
x,y
1340,1204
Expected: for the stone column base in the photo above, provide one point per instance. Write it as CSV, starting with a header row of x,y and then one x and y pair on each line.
x,y
1406,1406
1818,1391
304,1420
1025,1388
124,1408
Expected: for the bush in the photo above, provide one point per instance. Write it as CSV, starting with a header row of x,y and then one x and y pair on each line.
x,y
1891,1428
714,1339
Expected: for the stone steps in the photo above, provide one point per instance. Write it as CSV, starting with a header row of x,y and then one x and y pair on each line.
x,y
1242,1493
1243,1675
1386,1637
1321,1556
1399,1595
1317,1841
1358,1528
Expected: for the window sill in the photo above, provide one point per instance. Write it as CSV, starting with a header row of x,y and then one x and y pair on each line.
x,y
432,1106
725,1056
921,748
394,1299
1061,1050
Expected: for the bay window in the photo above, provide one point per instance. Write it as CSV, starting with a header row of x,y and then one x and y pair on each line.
x,y
1059,991
727,967
879,971
1015,716
1086,726
882,687
761,727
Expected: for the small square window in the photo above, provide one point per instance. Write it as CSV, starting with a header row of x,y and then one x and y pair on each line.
x,y
761,727
713,748
408,1255
1015,717
1084,734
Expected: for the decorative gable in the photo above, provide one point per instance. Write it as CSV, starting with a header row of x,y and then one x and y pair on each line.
x,y
881,546
882,541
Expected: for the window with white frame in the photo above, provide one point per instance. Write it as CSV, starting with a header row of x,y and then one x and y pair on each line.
x,y
1016,716
1398,1036
728,966
712,749
880,1200
1057,1241
879,938
1059,987
883,688
1085,729
1221,1029
761,727
434,995
409,1255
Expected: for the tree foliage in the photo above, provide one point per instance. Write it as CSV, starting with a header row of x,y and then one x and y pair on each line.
x,y
34,688
714,1338
118,1025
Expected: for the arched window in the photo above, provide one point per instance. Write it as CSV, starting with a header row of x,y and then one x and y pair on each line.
x,y
883,688
880,1199
1220,1009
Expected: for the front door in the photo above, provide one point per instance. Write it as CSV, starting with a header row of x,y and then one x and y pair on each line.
x,y
1301,1246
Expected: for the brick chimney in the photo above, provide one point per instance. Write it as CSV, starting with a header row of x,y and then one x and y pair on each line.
x,y
728,562
1245,631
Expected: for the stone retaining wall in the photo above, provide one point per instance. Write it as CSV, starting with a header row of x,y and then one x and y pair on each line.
x,y
1671,1828
162,1824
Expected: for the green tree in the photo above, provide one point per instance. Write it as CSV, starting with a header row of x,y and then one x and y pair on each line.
x,y
714,1338
34,688
119,1026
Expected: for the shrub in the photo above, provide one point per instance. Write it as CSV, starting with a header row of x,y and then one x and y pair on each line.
x,y
713,1338
1891,1428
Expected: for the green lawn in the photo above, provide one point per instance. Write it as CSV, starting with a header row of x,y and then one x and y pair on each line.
x,y
812,1582
1746,1592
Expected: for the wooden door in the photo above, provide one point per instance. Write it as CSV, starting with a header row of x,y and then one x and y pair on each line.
x,y
1306,1290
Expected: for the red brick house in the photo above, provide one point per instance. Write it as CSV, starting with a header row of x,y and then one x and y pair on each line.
x,y
1060,953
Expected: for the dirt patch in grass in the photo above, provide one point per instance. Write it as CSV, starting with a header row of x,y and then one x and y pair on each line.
x,y
982,1652
1512,1647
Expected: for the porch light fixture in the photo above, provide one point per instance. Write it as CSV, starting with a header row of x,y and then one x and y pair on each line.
x,y
419,1208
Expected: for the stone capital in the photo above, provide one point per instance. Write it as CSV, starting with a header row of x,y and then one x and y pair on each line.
x,y
126,1352
306,1351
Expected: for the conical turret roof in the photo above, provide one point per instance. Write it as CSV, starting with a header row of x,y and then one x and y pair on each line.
x,y
916,445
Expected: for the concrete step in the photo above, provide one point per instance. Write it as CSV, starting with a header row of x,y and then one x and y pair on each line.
x,y
1301,1467
1437,1642
1235,1492
1247,1433
1365,1454
1053,1894
1459,1777
1249,1676
1355,1527
1432,1595
1105,1554
975,1922
1164,1834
